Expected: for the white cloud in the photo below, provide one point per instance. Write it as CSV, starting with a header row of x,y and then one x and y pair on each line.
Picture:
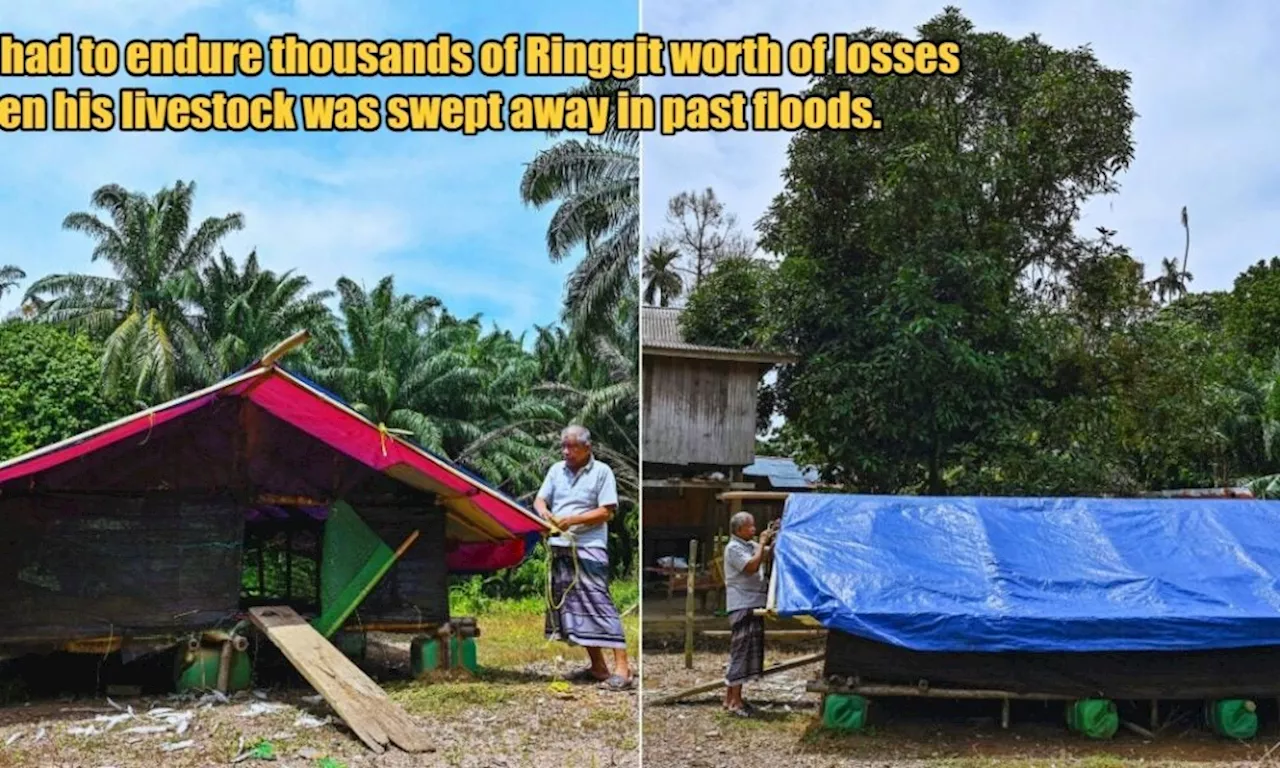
x,y
1202,87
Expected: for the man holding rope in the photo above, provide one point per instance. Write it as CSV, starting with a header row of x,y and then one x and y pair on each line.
x,y
579,496
745,591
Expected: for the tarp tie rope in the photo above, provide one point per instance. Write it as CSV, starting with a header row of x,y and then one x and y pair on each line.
x,y
151,424
577,571
382,437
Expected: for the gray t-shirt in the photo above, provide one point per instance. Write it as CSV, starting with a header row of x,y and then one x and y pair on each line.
x,y
572,493
743,590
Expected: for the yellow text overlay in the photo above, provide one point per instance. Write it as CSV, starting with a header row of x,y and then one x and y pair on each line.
x,y
612,102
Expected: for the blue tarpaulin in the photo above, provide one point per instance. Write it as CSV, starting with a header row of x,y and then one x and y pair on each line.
x,y
1022,574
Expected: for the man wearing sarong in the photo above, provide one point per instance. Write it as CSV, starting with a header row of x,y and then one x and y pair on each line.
x,y
580,495
745,591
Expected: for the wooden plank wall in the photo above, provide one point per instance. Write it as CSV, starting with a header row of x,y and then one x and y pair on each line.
x,y
699,411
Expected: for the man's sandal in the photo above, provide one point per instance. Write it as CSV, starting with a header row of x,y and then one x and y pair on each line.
x,y
585,675
616,683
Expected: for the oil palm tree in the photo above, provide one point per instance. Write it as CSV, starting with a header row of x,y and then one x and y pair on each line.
x,y
10,276
662,282
382,355
142,313
508,424
597,381
243,313
596,182
451,388
600,388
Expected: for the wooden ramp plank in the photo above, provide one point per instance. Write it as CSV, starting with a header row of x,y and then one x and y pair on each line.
x,y
361,703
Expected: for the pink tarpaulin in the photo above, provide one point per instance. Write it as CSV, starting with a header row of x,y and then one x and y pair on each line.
x,y
294,402
486,557
139,424
304,408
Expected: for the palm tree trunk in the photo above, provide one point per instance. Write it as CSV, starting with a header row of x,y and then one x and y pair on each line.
x,y
1186,251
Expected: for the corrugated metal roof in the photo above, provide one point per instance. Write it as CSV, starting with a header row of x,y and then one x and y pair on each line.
x,y
782,473
660,331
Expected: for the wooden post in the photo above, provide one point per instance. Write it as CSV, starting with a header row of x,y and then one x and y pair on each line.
x,y
1004,713
688,604
224,665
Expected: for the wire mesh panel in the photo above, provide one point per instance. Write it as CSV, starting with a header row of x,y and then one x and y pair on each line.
x,y
75,566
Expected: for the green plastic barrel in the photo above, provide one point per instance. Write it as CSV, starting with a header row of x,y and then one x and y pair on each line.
x,y
353,644
201,672
424,655
1095,718
463,654
1232,718
844,712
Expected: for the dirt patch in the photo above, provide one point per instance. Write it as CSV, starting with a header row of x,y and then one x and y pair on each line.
x,y
518,711
787,731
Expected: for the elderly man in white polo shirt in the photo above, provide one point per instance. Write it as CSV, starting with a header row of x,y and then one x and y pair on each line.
x,y
580,495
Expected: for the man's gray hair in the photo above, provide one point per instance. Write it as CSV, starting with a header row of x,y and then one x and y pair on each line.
x,y
740,519
577,433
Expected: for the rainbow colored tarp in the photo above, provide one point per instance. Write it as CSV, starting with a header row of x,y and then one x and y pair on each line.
x,y
276,433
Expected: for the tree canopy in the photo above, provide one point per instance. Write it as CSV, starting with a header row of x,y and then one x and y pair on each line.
x,y
955,332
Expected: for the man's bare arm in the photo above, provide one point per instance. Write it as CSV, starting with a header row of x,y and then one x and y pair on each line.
x,y
594,517
763,553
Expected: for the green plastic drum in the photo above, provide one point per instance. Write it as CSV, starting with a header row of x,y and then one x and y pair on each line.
x,y
844,712
425,654
201,672
463,654
353,644
1095,718
1233,718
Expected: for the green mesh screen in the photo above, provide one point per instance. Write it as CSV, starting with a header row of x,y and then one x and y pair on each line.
x,y
354,560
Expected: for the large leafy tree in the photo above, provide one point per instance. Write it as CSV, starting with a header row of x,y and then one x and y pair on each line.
x,y
152,348
729,308
48,387
910,251
596,183
1253,314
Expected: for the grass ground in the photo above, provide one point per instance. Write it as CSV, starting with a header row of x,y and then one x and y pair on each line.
x,y
699,734
518,711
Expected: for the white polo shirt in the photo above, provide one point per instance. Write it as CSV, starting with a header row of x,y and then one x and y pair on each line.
x,y
572,493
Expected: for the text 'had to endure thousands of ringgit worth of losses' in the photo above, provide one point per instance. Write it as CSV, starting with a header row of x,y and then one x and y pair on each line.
x,y
595,111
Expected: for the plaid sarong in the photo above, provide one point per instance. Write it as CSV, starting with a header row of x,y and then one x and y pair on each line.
x,y
746,647
588,616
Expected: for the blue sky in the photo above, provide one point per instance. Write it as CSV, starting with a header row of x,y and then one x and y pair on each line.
x,y
440,212
1203,86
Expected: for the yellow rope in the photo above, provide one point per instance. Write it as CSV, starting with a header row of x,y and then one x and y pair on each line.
x,y
573,551
382,437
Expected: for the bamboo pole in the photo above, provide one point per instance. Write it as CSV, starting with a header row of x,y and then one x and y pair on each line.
x,y
709,687
688,604
285,347
773,633
377,577
910,691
